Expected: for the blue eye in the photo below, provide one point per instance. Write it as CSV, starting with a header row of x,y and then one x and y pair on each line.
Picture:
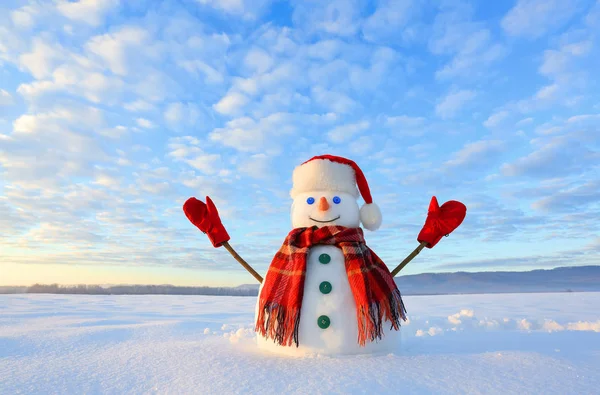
x,y
337,200
310,200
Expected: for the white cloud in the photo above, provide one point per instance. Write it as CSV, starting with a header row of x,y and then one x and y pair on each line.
x,y
325,49
91,85
257,166
452,103
568,68
199,67
279,101
592,19
246,85
362,145
282,76
43,58
558,62
465,64
247,135
114,133
24,17
144,123
496,118
475,154
36,89
247,9
206,163
232,6
141,148
6,98
557,155
571,198
547,92
258,60
389,20
405,121
179,115
139,106
202,55
534,18
49,233
548,128
174,112
333,101
123,49
155,86
187,149
81,117
329,74
107,181
231,104
28,162
584,118
382,62
524,121
91,12
180,147
343,133
470,42
153,187
340,17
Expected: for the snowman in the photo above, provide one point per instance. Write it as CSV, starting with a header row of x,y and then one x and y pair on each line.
x,y
325,291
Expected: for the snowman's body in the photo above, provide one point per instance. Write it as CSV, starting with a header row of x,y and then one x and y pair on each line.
x,y
325,194
325,264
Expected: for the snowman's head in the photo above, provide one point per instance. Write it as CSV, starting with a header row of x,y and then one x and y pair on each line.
x,y
325,192
323,208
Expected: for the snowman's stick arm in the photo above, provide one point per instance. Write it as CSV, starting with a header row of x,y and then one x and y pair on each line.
x,y
241,260
409,258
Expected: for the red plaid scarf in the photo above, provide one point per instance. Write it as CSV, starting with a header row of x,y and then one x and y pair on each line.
x,y
375,292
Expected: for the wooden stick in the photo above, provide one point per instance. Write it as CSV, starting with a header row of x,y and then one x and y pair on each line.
x,y
409,258
242,262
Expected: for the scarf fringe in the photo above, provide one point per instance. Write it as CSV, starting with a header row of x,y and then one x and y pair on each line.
x,y
279,323
282,325
371,317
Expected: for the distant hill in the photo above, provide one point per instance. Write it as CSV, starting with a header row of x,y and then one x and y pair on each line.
x,y
562,279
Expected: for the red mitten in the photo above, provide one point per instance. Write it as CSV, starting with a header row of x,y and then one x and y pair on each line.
x,y
206,218
441,221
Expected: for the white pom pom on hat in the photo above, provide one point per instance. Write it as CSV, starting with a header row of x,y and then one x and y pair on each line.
x,y
370,216
334,173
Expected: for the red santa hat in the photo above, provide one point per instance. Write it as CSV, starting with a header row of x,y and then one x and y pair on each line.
x,y
334,173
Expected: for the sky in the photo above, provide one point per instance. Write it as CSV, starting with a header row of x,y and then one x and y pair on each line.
x,y
113,113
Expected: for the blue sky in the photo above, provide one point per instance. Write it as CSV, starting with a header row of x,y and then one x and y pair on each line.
x,y
113,113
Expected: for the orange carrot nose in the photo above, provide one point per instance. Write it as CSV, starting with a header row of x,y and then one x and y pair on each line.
x,y
323,204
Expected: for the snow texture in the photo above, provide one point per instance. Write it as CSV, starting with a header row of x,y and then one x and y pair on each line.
x,y
493,344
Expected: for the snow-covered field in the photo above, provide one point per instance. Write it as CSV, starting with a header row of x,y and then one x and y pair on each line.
x,y
512,343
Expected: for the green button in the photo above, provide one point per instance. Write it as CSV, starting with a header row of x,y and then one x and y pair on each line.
x,y
325,287
324,258
323,322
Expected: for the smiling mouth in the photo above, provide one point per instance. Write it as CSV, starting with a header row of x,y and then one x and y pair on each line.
x,y
324,222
